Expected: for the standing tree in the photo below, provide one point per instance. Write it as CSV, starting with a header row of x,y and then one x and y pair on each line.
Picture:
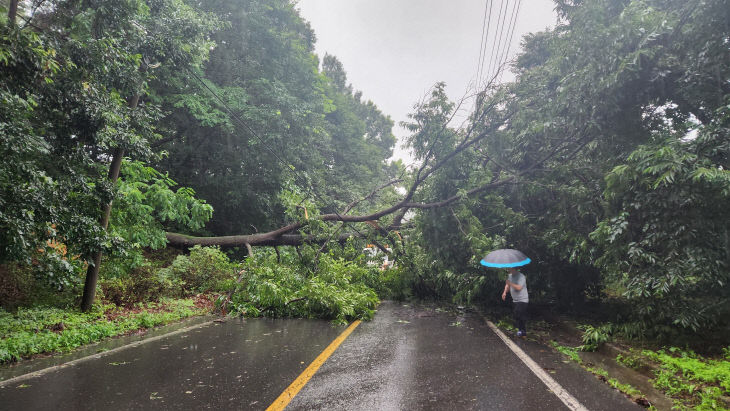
x,y
272,110
75,126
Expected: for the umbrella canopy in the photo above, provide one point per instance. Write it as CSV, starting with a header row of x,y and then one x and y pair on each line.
x,y
504,258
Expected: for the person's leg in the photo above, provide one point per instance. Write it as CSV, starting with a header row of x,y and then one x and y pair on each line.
x,y
521,316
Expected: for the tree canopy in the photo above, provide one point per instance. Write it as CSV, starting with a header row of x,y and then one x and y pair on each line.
x,y
606,160
617,132
277,113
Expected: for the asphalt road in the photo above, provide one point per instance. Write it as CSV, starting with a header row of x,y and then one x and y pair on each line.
x,y
418,357
408,357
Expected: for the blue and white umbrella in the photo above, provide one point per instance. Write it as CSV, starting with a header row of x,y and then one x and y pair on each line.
x,y
505,258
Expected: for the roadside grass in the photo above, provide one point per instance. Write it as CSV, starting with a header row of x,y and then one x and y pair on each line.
x,y
692,381
624,388
39,330
570,352
627,389
506,325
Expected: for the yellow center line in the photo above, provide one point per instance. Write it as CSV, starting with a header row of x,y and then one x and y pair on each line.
x,y
307,374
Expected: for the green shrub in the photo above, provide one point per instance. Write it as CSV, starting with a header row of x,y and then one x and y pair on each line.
x,y
143,284
205,269
394,284
15,285
594,337
115,290
20,286
336,291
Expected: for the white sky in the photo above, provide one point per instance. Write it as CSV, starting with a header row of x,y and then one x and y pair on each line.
x,y
395,50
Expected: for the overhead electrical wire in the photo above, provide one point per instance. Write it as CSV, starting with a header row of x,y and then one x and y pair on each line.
x,y
497,44
516,12
487,62
481,44
501,39
482,47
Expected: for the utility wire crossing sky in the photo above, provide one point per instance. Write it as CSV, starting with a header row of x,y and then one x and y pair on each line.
x,y
395,51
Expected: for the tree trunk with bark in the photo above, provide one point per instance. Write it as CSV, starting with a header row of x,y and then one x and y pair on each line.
x,y
12,12
92,273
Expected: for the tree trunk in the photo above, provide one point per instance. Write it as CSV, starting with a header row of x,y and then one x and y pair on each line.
x,y
92,273
184,241
12,12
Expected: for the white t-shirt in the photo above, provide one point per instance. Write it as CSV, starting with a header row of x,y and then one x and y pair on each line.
x,y
518,296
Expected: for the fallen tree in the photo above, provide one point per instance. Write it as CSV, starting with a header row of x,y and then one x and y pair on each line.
x,y
489,117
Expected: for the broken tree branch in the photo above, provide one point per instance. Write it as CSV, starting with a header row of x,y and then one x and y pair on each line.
x,y
287,235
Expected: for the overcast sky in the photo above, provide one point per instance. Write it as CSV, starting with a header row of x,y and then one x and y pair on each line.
x,y
395,50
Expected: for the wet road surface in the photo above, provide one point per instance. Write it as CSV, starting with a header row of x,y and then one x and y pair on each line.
x,y
408,357
239,364
422,358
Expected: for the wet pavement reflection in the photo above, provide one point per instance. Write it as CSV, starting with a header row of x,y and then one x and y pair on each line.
x,y
421,357
238,364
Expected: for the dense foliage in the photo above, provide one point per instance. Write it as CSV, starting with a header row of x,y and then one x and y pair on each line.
x,y
665,238
226,98
615,132
274,117
609,155
337,289
71,70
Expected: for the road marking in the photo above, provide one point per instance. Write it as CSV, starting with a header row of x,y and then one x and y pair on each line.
x,y
561,393
307,374
99,355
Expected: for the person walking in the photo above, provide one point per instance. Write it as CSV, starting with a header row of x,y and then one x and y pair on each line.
x,y
516,284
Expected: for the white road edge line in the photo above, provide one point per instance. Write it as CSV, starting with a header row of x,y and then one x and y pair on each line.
x,y
559,391
43,371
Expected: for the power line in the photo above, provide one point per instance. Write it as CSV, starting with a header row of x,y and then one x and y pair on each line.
x,y
501,40
514,26
498,43
488,63
482,46
289,167
484,62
